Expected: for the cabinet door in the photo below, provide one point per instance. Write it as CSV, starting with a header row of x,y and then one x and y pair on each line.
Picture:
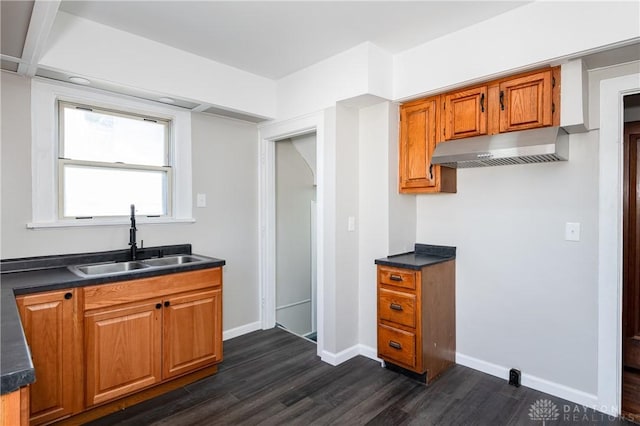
x,y
192,332
417,142
465,113
123,348
526,102
49,322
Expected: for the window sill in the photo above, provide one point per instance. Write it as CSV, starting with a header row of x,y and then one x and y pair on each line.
x,y
73,223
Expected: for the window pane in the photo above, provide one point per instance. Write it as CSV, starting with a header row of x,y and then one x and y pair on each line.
x,y
110,138
102,191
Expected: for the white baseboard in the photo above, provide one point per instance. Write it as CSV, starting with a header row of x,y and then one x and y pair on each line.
x,y
369,352
243,329
347,354
530,381
340,357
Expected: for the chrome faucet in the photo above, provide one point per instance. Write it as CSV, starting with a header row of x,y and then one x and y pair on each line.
x,y
132,233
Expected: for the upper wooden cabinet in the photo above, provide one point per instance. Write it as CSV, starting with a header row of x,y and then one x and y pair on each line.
x,y
418,135
50,324
465,113
521,102
526,102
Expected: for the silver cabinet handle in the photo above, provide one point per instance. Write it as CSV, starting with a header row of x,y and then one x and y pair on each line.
x,y
395,345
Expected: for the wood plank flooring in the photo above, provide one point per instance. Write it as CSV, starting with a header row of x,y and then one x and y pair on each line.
x,y
275,378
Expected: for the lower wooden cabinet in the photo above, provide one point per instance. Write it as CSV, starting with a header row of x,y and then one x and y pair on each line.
x,y
50,323
145,341
192,332
100,343
123,350
416,318
14,408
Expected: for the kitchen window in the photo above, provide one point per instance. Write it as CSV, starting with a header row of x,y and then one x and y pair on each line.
x,y
109,160
94,153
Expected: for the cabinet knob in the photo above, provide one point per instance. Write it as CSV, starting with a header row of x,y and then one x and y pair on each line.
x,y
68,295
396,307
395,345
167,303
158,305
502,100
482,102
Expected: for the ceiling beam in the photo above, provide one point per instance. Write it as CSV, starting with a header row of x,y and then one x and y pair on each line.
x,y
42,18
10,58
201,108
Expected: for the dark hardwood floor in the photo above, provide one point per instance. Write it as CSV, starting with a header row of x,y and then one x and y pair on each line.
x,y
275,378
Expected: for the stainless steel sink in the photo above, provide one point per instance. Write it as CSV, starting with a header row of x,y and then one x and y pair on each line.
x,y
115,268
106,268
172,260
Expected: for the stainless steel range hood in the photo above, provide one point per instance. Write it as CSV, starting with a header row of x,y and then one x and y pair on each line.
x,y
542,145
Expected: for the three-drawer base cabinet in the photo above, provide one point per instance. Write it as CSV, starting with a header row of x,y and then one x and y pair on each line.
x,y
416,318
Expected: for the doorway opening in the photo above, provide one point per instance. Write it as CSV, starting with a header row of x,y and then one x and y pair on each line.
x,y
295,235
631,260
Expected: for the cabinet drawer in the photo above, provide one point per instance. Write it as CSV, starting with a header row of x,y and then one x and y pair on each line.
x,y
397,345
121,292
397,277
398,307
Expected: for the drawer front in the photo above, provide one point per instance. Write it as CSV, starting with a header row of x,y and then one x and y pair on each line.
x,y
106,295
397,277
397,346
397,306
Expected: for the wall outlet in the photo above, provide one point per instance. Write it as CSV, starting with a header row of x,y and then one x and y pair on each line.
x,y
514,377
572,231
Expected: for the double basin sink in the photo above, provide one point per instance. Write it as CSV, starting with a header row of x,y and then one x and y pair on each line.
x,y
114,268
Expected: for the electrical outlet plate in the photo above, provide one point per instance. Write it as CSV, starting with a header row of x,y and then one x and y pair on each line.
x,y
572,231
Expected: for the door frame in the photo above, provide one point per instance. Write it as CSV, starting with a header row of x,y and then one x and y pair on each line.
x,y
269,133
612,92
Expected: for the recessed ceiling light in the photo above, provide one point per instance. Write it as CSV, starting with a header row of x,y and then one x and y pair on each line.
x,y
166,100
79,80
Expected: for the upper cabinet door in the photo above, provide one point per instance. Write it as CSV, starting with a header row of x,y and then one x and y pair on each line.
x,y
417,142
526,102
465,113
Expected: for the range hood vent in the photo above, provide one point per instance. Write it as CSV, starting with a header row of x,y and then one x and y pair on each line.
x,y
543,145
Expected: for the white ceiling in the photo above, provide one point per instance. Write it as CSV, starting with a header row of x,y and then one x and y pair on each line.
x,y
274,39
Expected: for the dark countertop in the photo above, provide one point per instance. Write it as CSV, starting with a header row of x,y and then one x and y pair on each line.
x,y
423,255
37,274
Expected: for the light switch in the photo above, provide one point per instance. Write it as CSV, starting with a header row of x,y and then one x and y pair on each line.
x,y
201,200
572,231
351,224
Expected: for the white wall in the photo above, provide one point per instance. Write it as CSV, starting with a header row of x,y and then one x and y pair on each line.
x,y
363,69
306,146
97,51
534,34
526,298
223,151
387,219
294,193
595,77
346,253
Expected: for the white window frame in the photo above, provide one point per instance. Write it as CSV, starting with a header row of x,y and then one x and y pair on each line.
x,y
44,152
62,160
